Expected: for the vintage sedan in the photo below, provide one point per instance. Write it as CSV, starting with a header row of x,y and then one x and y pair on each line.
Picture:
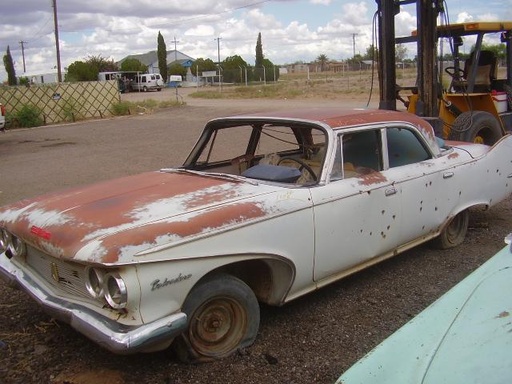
x,y
264,209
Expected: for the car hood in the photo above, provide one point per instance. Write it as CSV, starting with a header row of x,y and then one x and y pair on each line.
x,y
112,221
464,337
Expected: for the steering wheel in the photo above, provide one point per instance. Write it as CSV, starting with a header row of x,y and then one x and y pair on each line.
x,y
302,164
455,73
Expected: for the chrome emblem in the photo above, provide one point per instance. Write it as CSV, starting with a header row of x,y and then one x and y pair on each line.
x,y
55,272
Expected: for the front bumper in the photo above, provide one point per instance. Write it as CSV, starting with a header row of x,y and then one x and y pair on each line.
x,y
117,338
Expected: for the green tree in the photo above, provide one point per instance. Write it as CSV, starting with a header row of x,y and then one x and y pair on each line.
x,y
234,69
400,53
355,62
81,71
322,60
162,56
9,67
371,53
177,69
101,64
201,65
132,64
24,80
271,70
259,53
500,50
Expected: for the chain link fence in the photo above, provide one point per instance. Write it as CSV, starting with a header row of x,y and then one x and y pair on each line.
x,y
61,102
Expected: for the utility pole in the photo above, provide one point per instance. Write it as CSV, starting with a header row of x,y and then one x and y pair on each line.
x,y
218,60
57,49
175,51
354,44
218,49
22,43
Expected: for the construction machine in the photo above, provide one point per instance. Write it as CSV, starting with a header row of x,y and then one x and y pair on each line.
x,y
466,100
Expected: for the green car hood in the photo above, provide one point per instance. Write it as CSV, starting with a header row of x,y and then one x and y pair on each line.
x,y
464,337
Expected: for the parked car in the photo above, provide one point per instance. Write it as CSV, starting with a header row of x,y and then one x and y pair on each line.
x,y
266,208
463,338
2,117
147,82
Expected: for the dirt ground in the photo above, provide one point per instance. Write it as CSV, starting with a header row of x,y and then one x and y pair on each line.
x,y
311,340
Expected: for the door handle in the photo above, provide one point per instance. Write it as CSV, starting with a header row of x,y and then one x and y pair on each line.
x,y
390,191
447,175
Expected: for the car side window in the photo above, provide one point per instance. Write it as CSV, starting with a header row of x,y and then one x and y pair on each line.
x,y
404,147
357,154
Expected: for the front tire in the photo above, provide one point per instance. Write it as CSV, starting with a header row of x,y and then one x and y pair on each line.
x,y
454,232
223,316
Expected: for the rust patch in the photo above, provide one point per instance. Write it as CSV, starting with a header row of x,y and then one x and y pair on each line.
x,y
205,222
372,178
453,155
68,217
503,315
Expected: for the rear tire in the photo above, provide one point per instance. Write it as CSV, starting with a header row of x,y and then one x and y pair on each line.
x,y
454,232
476,127
223,317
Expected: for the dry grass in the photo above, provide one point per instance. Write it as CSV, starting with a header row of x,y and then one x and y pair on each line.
x,y
326,85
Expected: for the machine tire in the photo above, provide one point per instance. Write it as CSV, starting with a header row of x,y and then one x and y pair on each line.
x,y
454,232
144,89
223,317
476,127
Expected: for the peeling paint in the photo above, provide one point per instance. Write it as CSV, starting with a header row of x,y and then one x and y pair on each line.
x,y
372,178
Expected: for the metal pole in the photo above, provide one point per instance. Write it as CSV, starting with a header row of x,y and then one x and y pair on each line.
x,y
22,43
57,49
218,60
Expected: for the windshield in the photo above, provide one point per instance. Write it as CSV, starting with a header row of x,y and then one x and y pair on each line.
x,y
271,151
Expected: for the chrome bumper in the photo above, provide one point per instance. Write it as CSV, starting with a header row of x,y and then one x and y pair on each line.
x,y
111,335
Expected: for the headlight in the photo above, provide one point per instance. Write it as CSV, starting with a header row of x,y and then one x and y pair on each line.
x,y
11,244
115,291
94,282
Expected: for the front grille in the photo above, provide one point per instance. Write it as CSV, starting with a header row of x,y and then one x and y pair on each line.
x,y
62,275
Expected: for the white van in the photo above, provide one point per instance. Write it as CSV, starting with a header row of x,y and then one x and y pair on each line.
x,y
147,81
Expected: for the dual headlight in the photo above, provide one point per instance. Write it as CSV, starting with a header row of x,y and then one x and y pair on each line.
x,y
11,244
106,285
100,284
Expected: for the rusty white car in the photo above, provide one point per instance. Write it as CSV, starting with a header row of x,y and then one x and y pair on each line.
x,y
266,208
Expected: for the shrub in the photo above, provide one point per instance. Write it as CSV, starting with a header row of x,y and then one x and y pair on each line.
x,y
71,110
120,109
29,116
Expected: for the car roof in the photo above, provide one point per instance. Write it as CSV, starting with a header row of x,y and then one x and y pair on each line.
x,y
335,118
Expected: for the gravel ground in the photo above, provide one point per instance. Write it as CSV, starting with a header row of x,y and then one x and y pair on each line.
x,y
311,340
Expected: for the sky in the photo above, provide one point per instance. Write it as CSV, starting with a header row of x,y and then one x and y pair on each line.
x,y
291,30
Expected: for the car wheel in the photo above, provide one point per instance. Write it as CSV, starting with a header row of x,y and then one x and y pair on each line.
x,y
476,127
144,89
454,232
223,316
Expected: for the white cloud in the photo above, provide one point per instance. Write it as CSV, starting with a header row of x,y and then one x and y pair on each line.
x,y
292,30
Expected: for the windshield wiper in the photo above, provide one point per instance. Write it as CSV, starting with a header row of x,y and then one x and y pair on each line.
x,y
217,175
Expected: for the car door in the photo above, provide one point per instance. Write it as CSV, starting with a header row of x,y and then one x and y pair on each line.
x,y
427,188
357,212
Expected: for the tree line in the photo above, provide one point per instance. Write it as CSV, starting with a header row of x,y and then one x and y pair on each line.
x,y
232,69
